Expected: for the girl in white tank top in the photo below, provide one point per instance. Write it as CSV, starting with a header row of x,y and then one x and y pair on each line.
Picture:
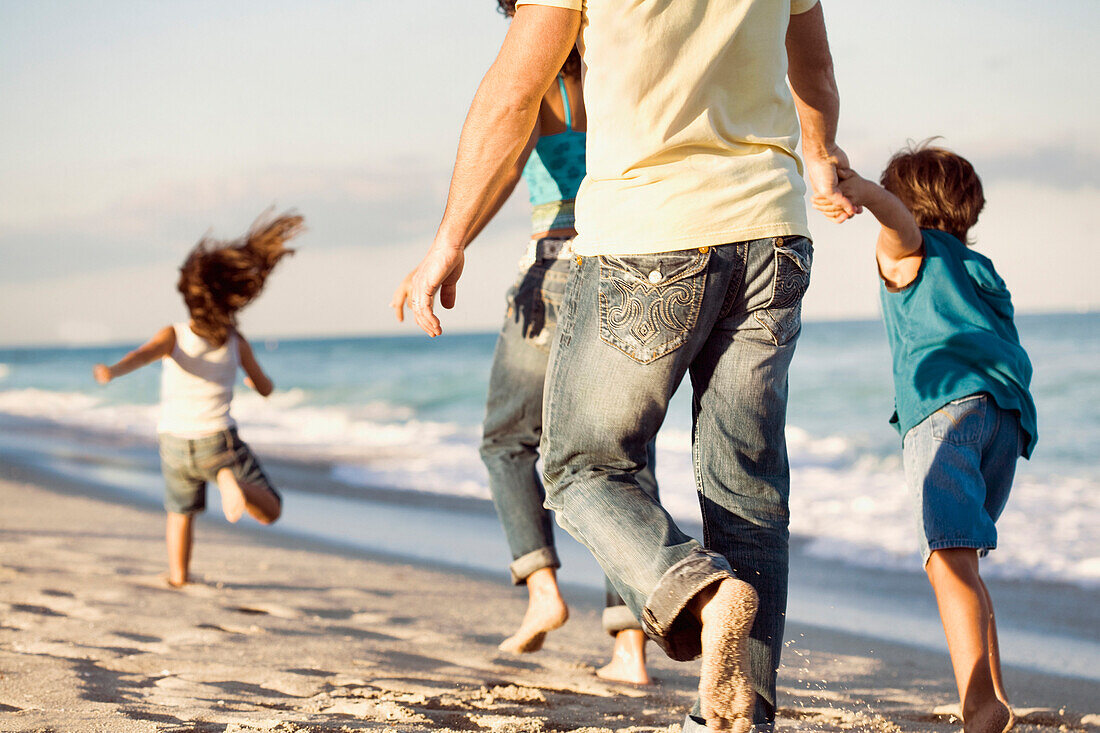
x,y
196,385
197,435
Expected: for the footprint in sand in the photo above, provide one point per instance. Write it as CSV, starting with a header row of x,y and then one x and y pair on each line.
x,y
140,638
231,629
57,593
30,608
267,609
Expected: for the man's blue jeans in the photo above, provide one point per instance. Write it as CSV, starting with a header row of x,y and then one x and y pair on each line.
x,y
513,426
629,329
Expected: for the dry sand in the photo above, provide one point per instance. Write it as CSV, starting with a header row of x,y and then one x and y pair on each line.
x,y
285,635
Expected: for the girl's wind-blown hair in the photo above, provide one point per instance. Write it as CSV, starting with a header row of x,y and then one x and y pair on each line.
x,y
219,278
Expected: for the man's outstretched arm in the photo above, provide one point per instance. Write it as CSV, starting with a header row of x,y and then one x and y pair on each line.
x,y
810,71
496,131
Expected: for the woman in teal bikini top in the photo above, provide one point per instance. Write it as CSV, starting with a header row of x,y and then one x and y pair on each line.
x,y
554,172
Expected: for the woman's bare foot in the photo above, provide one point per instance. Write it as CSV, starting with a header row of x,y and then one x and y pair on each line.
x,y
726,611
233,500
627,659
996,717
546,611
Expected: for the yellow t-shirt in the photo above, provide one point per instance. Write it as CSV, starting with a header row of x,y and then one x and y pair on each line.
x,y
691,126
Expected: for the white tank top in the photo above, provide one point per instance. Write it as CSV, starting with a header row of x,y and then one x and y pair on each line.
x,y
196,385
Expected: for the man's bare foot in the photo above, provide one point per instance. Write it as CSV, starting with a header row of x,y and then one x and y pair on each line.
x,y
996,717
233,500
546,611
726,611
627,659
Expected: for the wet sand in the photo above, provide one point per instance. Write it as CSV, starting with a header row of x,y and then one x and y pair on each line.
x,y
285,634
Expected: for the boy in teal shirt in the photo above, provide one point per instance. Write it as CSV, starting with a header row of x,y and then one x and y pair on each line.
x,y
961,395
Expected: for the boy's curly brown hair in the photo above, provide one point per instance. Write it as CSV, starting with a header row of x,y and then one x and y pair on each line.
x,y
219,278
939,187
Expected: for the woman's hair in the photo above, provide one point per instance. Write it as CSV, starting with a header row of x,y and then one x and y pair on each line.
x,y
219,278
939,187
572,65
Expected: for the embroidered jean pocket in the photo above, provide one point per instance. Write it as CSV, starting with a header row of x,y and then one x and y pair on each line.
x,y
649,303
960,422
782,316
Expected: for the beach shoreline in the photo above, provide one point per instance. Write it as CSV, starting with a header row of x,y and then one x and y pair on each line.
x,y
291,634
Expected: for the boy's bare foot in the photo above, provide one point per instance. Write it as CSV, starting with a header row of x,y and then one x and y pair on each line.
x,y
233,500
726,611
996,717
627,660
546,611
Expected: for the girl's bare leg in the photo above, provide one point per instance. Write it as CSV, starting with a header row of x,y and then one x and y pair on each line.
x,y
179,533
627,659
546,611
241,496
967,616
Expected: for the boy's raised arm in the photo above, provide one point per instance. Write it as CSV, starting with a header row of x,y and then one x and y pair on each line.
x,y
158,347
900,248
256,379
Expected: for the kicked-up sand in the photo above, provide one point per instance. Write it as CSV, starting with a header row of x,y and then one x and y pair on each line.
x,y
284,635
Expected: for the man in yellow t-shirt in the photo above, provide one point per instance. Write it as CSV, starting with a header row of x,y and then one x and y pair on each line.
x,y
693,258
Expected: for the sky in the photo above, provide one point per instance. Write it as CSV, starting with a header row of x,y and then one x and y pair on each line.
x,y
129,129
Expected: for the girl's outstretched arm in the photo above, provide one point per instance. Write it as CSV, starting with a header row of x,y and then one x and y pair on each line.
x,y
158,347
256,379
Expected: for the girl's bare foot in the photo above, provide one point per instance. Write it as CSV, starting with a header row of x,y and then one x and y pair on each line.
x,y
546,611
233,500
627,659
171,582
995,717
726,611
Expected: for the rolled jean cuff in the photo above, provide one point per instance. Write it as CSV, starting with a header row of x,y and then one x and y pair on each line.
x,y
663,617
619,618
524,565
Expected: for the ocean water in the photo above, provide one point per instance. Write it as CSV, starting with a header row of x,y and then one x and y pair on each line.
x,y
404,413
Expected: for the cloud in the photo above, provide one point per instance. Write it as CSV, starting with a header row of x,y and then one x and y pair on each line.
x,y
1064,168
394,201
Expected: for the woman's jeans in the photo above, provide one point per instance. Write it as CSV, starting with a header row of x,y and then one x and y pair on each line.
x,y
513,422
629,329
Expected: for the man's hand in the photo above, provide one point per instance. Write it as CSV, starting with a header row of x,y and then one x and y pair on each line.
x,y
848,198
402,294
825,172
439,270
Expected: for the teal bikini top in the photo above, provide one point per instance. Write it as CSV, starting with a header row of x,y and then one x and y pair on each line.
x,y
556,167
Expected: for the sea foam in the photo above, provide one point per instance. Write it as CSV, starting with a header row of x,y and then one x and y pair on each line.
x,y
849,501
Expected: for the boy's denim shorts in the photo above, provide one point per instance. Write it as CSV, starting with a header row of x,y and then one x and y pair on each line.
x,y
959,465
189,463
